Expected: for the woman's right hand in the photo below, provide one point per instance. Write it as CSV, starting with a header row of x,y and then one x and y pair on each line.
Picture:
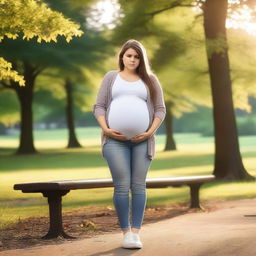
x,y
114,134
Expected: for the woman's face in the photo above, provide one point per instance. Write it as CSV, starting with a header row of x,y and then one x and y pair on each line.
x,y
131,59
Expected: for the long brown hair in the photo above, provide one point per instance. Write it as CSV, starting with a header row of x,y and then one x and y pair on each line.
x,y
143,70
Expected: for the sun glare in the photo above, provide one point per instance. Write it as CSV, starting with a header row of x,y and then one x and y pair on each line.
x,y
104,14
244,19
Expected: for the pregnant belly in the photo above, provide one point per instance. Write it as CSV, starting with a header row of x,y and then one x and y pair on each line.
x,y
128,115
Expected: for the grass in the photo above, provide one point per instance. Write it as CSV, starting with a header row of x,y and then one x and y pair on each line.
x,y
194,157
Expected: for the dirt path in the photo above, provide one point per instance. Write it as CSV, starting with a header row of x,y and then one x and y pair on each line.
x,y
225,231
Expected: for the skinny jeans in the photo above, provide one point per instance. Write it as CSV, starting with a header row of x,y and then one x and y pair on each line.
x,y
128,163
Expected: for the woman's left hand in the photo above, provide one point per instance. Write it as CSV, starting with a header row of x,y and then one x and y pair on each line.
x,y
140,137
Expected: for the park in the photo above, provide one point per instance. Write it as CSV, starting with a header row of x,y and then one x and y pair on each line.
x,y
56,192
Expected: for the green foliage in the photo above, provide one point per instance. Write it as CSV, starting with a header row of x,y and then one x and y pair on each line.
x,y
198,121
246,125
47,108
77,60
6,72
216,45
185,78
9,108
242,57
32,19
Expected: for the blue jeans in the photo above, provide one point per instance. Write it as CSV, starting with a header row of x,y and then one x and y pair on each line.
x,y
128,163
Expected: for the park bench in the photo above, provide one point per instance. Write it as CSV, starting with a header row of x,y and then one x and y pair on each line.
x,y
54,190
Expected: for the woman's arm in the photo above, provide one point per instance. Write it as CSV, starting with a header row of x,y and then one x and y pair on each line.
x,y
100,107
159,112
145,135
155,125
109,132
159,105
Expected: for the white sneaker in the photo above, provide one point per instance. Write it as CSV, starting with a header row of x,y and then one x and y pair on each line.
x,y
136,239
128,241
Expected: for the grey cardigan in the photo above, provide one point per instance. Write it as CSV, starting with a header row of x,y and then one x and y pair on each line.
x,y
104,97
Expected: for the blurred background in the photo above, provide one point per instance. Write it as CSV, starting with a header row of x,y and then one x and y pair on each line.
x,y
48,132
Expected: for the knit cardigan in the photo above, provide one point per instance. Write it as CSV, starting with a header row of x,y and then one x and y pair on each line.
x,y
104,98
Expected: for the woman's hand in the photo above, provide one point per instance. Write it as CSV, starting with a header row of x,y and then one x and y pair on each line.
x,y
140,137
114,134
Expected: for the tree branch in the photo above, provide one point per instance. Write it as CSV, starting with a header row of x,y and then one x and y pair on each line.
x,y
38,70
172,6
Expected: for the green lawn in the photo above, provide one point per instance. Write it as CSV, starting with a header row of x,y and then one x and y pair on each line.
x,y
194,156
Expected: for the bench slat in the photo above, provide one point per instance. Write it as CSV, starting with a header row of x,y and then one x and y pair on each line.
x,y
103,183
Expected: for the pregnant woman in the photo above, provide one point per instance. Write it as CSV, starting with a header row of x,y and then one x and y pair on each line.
x,y
129,109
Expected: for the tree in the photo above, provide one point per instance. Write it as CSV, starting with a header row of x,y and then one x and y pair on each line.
x,y
66,62
19,17
228,161
34,20
33,59
85,53
170,142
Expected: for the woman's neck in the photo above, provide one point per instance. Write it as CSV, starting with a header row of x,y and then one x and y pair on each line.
x,y
129,72
129,75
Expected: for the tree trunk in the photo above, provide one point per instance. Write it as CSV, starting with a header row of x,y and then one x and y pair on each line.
x,y
25,96
72,139
170,143
228,161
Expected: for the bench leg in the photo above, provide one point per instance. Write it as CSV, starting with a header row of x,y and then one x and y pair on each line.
x,y
55,213
194,195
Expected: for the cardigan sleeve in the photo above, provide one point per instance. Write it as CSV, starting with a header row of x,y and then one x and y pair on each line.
x,y
159,105
100,107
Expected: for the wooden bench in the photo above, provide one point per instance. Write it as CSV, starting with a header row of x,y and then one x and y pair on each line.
x,y
54,190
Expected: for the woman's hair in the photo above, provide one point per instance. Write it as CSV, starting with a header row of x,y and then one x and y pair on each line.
x,y
143,69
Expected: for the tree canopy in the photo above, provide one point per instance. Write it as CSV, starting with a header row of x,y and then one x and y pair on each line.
x,y
31,19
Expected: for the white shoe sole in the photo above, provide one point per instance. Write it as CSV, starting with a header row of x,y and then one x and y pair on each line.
x,y
132,246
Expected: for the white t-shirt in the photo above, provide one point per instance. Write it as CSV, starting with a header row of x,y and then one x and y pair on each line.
x,y
128,112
